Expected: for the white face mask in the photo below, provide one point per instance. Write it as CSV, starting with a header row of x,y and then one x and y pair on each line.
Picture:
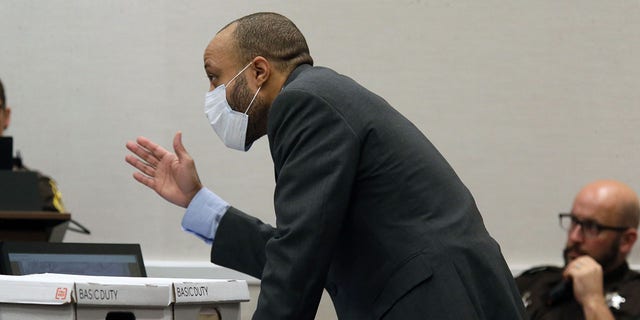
x,y
229,125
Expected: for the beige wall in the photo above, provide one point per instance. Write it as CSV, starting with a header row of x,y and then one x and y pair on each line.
x,y
528,100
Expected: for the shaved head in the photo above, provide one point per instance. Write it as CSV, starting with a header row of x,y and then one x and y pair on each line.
x,y
614,197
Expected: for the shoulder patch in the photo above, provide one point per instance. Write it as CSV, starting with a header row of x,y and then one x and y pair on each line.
x,y
540,269
635,275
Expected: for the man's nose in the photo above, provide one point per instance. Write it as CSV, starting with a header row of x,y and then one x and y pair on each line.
x,y
576,234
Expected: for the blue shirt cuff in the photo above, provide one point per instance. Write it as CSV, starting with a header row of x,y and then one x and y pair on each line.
x,y
203,215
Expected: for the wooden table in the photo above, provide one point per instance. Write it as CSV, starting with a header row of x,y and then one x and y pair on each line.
x,y
33,225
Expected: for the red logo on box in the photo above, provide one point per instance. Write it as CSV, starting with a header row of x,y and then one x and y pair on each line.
x,y
61,294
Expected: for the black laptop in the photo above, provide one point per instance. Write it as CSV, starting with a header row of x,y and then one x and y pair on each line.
x,y
6,153
19,191
95,259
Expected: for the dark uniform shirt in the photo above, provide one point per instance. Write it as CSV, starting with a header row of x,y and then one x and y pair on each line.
x,y
50,196
621,288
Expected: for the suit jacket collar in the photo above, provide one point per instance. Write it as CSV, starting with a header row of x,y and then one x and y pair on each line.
x,y
295,73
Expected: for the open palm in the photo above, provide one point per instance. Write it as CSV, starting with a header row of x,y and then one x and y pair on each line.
x,y
172,175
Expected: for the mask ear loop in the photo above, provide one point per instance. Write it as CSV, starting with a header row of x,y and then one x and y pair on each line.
x,y
239,73
254,98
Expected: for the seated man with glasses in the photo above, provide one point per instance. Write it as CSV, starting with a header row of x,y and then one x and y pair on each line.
x,y
596,282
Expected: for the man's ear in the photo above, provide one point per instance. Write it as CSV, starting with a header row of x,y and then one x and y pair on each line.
x,y
261,70
7,117
629,237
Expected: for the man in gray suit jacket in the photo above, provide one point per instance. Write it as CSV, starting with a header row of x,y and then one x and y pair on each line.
x,y
366,207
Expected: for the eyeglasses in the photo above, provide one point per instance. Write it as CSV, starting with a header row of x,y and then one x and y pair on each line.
x,y
589,228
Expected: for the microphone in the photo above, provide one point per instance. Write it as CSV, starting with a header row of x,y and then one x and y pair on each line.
x,y
560,292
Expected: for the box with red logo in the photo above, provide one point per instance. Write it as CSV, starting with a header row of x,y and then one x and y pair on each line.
x,y
36,299
122,298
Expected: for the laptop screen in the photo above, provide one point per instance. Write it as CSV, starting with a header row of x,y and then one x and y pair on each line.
x,y
97,259
6,153
19,191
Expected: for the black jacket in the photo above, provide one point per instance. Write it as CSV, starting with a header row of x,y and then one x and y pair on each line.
x,y
50,196
367,208
536,283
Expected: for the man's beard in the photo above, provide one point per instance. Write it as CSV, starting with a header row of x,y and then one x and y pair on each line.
x,y
607,261
241,98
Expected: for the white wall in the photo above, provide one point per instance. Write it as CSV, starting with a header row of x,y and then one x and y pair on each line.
x,y
528,100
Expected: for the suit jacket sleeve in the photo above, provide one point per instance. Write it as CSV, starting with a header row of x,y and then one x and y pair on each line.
x,y
240,241
315,155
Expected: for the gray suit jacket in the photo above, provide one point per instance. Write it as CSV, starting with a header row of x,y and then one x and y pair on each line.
x,y
367,208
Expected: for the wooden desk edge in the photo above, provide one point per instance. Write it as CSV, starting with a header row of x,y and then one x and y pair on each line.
x,y
34,215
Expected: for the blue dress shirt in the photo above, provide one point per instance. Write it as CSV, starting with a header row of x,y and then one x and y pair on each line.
x,y
203,215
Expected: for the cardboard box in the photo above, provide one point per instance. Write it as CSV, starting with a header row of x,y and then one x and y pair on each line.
x,y
208,299
22,298
93,298
119,297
